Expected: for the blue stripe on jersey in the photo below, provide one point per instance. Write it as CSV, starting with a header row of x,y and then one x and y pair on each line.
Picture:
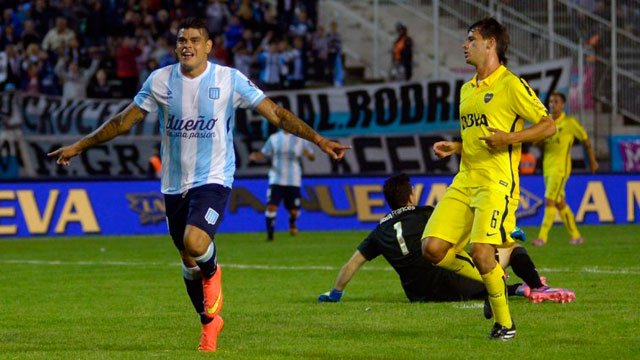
x,y
229,119
205,113
175,145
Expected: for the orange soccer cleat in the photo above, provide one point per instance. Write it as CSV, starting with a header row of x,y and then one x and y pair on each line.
x,y
213,297
210,332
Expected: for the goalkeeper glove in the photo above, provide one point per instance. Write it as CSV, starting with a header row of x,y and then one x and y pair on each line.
x,y
330,296
518,234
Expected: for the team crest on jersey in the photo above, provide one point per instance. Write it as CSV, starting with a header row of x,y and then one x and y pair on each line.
x,y
214,93
488,97
211,216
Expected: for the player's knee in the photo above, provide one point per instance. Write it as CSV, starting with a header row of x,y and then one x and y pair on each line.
x,y
272,208
561,204
432,250
196,241
549,202
483,257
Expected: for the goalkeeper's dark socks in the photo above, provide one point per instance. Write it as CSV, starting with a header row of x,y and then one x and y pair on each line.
x,y
292,222
511,289
524,268
193,282
207,261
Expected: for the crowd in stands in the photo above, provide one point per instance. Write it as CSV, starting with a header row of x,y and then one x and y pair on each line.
x,y
107,48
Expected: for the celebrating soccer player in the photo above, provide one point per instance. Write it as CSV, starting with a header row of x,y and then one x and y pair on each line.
x,y
480,204
196,102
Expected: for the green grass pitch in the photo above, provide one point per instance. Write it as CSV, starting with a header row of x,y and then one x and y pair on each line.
x,y
123,298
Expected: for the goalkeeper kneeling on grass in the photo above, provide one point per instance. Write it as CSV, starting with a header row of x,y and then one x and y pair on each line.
x,y
398,238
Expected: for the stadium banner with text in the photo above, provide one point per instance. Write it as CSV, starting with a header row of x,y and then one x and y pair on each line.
x,y
345,203
625,153
412,107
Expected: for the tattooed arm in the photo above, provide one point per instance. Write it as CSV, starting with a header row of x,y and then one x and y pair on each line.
x,y
286,120
117,125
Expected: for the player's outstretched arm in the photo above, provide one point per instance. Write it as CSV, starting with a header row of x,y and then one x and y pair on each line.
x,y
344,276
117,125
285,119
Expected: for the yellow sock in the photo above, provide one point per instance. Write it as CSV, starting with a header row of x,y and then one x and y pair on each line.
x,y
547,222
496,288
569,222
460,263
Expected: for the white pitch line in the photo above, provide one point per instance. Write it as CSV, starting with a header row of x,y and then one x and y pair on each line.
x,y
591,270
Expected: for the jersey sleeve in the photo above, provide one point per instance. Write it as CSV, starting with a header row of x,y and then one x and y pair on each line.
x,y
245,93
145,98
578,130
369,248
525,102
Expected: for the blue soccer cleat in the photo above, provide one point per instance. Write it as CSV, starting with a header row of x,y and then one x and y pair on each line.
x,y
518,234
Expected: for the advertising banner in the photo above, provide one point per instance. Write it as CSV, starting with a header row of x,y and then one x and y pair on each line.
x,y
344,203
391,127
625,153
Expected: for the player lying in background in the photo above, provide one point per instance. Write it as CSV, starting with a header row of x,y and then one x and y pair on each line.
x,y
398,238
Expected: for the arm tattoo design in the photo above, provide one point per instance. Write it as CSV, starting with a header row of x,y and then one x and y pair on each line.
x,y
293,124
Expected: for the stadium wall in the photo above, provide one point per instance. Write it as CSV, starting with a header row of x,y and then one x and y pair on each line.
x,y
137,207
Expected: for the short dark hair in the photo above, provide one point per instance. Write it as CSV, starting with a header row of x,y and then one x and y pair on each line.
x,y
195,23
397,190
560,95
491,28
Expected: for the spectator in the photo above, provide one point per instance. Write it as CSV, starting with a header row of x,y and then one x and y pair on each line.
x,y
99,87
301,26
59,36
8,36
297,63
320,51
220,55
334,43
218,16
126,66
233,32
31,83
242,59
42,15
402,55
270,61
11,73
29,34
74,80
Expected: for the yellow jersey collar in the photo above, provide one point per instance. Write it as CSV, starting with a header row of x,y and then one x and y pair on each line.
x,y
489,80
561,117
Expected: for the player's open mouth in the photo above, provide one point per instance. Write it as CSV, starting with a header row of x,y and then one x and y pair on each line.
x,y
187,54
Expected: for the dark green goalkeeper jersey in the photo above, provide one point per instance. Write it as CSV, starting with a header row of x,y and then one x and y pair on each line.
x,y
398,238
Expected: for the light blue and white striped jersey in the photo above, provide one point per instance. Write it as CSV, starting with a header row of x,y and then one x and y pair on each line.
x,y
270,66
196,123
285,151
